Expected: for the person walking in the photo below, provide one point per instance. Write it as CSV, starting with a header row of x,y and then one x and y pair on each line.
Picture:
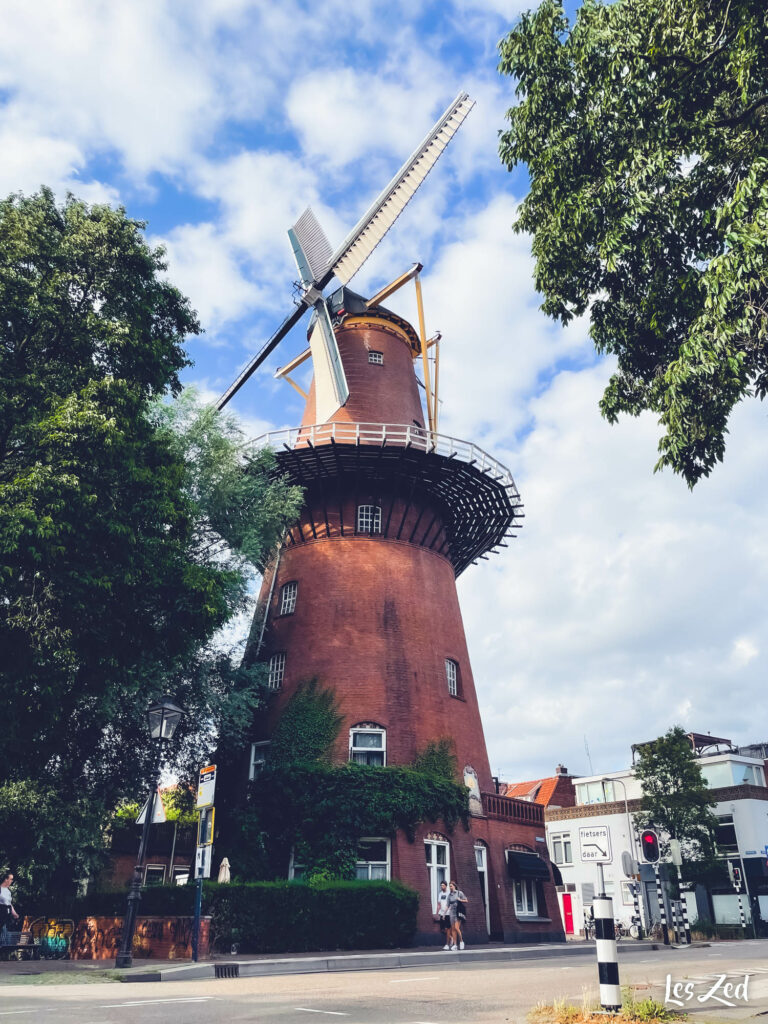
x,y
442,914
6,901
457,911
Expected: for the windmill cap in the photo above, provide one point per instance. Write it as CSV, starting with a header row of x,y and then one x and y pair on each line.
x,y
344,302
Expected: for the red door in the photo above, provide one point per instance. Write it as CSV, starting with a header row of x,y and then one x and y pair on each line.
x,y
567,913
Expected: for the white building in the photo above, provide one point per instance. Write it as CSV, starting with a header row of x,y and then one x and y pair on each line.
x,y
738,783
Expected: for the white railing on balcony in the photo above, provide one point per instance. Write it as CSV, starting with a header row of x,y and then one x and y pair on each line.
x,y
384,434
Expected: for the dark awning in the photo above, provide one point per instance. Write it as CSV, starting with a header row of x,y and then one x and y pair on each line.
x,y
526,865
557,877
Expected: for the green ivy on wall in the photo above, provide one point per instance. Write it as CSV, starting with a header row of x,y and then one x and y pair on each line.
x,y
302,801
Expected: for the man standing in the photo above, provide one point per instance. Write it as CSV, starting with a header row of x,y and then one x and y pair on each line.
x,y
442,913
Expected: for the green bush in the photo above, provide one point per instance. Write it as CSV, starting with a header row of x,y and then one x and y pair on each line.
x,y
279,917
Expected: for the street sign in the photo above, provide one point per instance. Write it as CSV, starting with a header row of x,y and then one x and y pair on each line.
x,y
203,860
205,826
206,786
158,811
595,844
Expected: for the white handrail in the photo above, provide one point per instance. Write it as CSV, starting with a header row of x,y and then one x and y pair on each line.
x,y
399,434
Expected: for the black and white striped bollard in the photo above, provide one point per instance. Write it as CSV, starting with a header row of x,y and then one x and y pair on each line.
x,y
662,910
742,915
607,954
637,919
686,926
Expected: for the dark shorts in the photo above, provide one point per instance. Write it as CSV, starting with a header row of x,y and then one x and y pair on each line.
x,y
445,923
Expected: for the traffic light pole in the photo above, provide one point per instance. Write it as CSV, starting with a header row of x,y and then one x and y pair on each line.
x,y
662,908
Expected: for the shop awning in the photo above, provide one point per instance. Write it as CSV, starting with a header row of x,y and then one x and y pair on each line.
x,y
557,877
526,865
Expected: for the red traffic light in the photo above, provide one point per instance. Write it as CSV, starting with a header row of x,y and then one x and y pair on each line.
x,y
649,844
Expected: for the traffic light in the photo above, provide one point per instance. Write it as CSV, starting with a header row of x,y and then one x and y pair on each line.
x,y
649,844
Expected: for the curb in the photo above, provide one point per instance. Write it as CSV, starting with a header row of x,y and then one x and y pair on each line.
x,y
355,962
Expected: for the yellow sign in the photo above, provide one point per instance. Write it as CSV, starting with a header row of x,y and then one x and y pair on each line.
x,y
206,786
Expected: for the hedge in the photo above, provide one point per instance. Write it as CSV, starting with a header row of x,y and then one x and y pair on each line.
x,y
279,917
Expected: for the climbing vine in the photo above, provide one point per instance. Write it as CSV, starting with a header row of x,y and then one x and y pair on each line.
x,y
320,810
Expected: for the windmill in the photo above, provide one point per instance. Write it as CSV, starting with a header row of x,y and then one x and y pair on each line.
x,y
318,264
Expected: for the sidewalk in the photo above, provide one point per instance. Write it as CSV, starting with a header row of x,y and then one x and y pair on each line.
x,y
270,964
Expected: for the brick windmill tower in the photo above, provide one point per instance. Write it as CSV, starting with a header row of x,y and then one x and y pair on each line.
x,y
362,594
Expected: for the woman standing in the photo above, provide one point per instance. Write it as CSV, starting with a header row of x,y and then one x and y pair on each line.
x,y
6,901
457,903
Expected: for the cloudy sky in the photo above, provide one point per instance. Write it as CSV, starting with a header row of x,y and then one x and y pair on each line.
x,y
627,604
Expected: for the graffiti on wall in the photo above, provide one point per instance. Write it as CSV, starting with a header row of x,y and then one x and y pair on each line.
x,y
160,938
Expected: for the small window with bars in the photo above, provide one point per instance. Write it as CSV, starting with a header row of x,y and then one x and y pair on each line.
x,y
377,358
452,676
288,598
276,670
369,519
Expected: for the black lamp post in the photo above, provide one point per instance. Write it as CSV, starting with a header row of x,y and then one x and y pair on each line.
x,y
163,717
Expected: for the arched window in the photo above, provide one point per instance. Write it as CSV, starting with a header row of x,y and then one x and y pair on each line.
x,y
276,670
288,595
368,744
369,518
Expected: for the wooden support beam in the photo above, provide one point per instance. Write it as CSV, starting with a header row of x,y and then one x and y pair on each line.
x,y
394,286
425,358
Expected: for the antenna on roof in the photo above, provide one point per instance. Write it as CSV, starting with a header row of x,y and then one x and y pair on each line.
x,y
318,263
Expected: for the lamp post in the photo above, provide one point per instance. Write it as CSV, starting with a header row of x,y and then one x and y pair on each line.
x,y
162,717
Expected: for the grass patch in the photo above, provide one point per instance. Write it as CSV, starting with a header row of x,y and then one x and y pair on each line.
x,y
633,1011
89,977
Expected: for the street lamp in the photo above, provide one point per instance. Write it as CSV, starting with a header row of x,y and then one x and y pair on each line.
x,y
162,717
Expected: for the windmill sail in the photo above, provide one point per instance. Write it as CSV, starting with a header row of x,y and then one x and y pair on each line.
x,y
331,388
317,264
377,221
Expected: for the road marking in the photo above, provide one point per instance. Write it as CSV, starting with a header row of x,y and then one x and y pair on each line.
x,y
566,968
334,1013
714,954
404,981
149,1002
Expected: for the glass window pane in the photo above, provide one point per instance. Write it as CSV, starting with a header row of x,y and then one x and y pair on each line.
x,y
379,872
361,872
367,739
567,855
441,852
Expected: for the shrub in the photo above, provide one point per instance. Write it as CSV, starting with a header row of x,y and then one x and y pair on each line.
x,y
278,917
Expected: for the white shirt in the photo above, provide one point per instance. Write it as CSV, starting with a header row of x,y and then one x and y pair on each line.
x,y
442,904
5,896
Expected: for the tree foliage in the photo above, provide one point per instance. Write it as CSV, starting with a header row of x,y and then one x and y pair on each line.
x,y
644,129
676,800
128,527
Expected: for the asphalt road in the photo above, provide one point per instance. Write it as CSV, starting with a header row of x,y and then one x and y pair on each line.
x,y
460,993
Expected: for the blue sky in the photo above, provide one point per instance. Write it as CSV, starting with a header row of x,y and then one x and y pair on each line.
x,y
627,604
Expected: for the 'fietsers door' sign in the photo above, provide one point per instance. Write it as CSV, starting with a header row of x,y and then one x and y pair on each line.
x,y
595,844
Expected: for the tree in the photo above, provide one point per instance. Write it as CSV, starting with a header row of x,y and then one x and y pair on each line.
x,y
676,799
129,527
643,127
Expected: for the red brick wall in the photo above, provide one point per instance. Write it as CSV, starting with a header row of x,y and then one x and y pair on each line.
x,y
158,938
378,394
376,620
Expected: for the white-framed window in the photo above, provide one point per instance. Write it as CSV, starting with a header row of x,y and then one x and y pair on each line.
x,y
288,598
369,518
258,758
368,744
377,358
180,875
154,874
373,860
452,676
438,856
595,792
276,670
562,851
525,897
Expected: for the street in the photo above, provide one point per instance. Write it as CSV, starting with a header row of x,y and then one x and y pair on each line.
x,y
459,993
